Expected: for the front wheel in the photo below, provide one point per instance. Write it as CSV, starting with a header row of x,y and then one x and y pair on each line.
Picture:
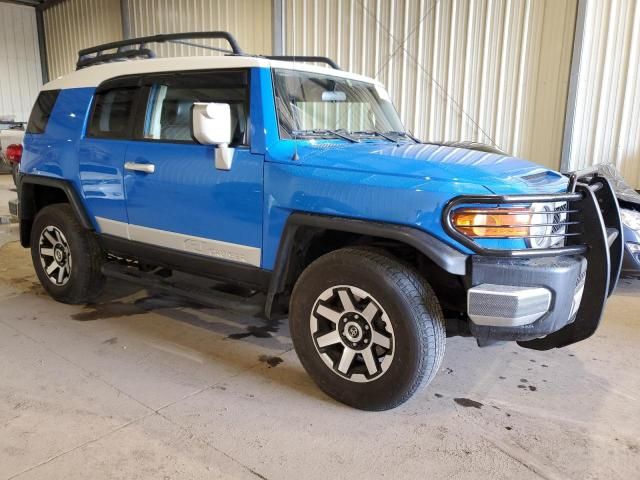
x,y
66,257
367,328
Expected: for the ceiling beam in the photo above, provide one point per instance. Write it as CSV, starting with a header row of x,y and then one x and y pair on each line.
x,y
26,3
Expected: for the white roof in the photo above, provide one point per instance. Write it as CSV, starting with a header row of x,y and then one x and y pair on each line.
x,y
93,76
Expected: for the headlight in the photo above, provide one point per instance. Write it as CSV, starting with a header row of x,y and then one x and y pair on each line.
x,y
542,225
631,219
492,222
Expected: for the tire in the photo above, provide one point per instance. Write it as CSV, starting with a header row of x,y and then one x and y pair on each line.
x,y
75,252
393,313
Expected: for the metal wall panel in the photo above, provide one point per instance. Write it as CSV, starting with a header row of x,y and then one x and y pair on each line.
x,y
76,24
20,74
494,71
248,20
606,117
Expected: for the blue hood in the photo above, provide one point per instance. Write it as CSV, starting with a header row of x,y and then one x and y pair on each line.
x,y
498,173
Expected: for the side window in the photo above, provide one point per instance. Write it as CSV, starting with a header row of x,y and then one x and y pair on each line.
x,y
112,113
169,112
42,111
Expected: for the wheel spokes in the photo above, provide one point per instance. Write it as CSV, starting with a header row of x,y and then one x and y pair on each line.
x,y
379,339
369,361
352,333
345,299
61,271
370,311
346,360
49,238
328,313
47,252
52,268
327,339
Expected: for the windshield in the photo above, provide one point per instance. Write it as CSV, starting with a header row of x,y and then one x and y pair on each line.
x,y
314,104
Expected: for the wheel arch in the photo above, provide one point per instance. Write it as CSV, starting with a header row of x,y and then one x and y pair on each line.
x,y
301,228
36,192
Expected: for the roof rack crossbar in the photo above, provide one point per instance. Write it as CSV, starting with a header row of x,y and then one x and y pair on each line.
x,y
306,59
137,48
94,55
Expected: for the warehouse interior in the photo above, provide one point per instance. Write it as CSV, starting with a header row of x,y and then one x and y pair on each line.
x,y
150,384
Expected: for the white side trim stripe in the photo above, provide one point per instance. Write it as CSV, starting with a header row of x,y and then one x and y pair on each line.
x,y
177,241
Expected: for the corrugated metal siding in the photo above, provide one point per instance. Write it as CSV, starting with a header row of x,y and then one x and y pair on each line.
x,y
248,20
494,71
606,124
76,24
20,74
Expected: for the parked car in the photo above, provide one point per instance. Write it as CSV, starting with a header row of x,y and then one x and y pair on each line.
x,y
11,147
300,181
629,201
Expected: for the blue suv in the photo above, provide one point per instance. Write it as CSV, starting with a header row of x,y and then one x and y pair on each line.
x,y
300,181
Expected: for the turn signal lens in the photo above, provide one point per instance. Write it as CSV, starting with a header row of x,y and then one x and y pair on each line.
x,y
492,222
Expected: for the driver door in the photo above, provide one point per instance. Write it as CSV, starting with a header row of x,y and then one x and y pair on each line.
x,y
176,199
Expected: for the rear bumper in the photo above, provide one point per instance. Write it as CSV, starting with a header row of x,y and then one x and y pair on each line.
x,y
578,277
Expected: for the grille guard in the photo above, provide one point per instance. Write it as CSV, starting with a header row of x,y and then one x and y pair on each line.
x,y
600,242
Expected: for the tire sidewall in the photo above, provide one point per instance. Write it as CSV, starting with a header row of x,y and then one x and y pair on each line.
x,y
406,369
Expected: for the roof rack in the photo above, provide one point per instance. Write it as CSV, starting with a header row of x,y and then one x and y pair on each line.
x,y
304,58
97,55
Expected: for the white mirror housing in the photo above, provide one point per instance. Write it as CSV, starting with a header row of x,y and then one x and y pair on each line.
x,y
211,125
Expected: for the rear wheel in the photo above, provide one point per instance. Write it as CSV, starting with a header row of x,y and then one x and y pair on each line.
x,y
368,329
66,256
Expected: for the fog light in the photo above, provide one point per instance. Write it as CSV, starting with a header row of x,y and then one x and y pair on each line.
x,y
634,249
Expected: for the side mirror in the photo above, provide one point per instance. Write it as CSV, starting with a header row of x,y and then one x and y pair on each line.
x,y
211,125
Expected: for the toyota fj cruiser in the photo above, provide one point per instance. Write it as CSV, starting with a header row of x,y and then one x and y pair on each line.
x,y
301,182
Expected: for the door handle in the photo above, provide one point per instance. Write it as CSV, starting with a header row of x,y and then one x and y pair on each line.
x,y
140,167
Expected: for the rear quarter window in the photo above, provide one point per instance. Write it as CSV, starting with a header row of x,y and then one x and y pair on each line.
x,y
113,113
42,111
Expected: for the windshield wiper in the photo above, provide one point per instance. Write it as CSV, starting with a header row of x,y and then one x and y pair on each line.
x,y
376,132
336,133
404,134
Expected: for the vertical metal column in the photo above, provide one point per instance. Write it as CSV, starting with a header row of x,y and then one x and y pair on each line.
x,y
277,24
42,45
576,57
126,21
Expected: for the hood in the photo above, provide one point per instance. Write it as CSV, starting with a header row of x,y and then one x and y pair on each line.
x,y
498,173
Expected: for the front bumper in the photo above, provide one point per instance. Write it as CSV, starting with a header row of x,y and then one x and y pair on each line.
x,y
562,279
578,277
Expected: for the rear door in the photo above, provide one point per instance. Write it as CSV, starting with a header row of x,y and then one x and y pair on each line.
x,y
101,153
176,198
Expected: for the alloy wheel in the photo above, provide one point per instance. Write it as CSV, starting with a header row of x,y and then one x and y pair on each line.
x,y
55,255
352,333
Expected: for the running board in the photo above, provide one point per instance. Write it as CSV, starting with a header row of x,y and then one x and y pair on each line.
x,y
179,284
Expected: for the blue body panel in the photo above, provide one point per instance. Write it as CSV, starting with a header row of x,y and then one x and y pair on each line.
x,y
188,195
406,184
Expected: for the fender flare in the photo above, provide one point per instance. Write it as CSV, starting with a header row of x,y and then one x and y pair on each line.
x,y
27,207
443,255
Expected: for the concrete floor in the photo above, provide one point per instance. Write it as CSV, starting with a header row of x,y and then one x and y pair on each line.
x,y
140,386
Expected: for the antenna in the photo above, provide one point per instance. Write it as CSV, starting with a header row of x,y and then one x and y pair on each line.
x,y
296,157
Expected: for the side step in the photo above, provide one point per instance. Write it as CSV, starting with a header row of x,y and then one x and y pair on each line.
x,y
203,291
